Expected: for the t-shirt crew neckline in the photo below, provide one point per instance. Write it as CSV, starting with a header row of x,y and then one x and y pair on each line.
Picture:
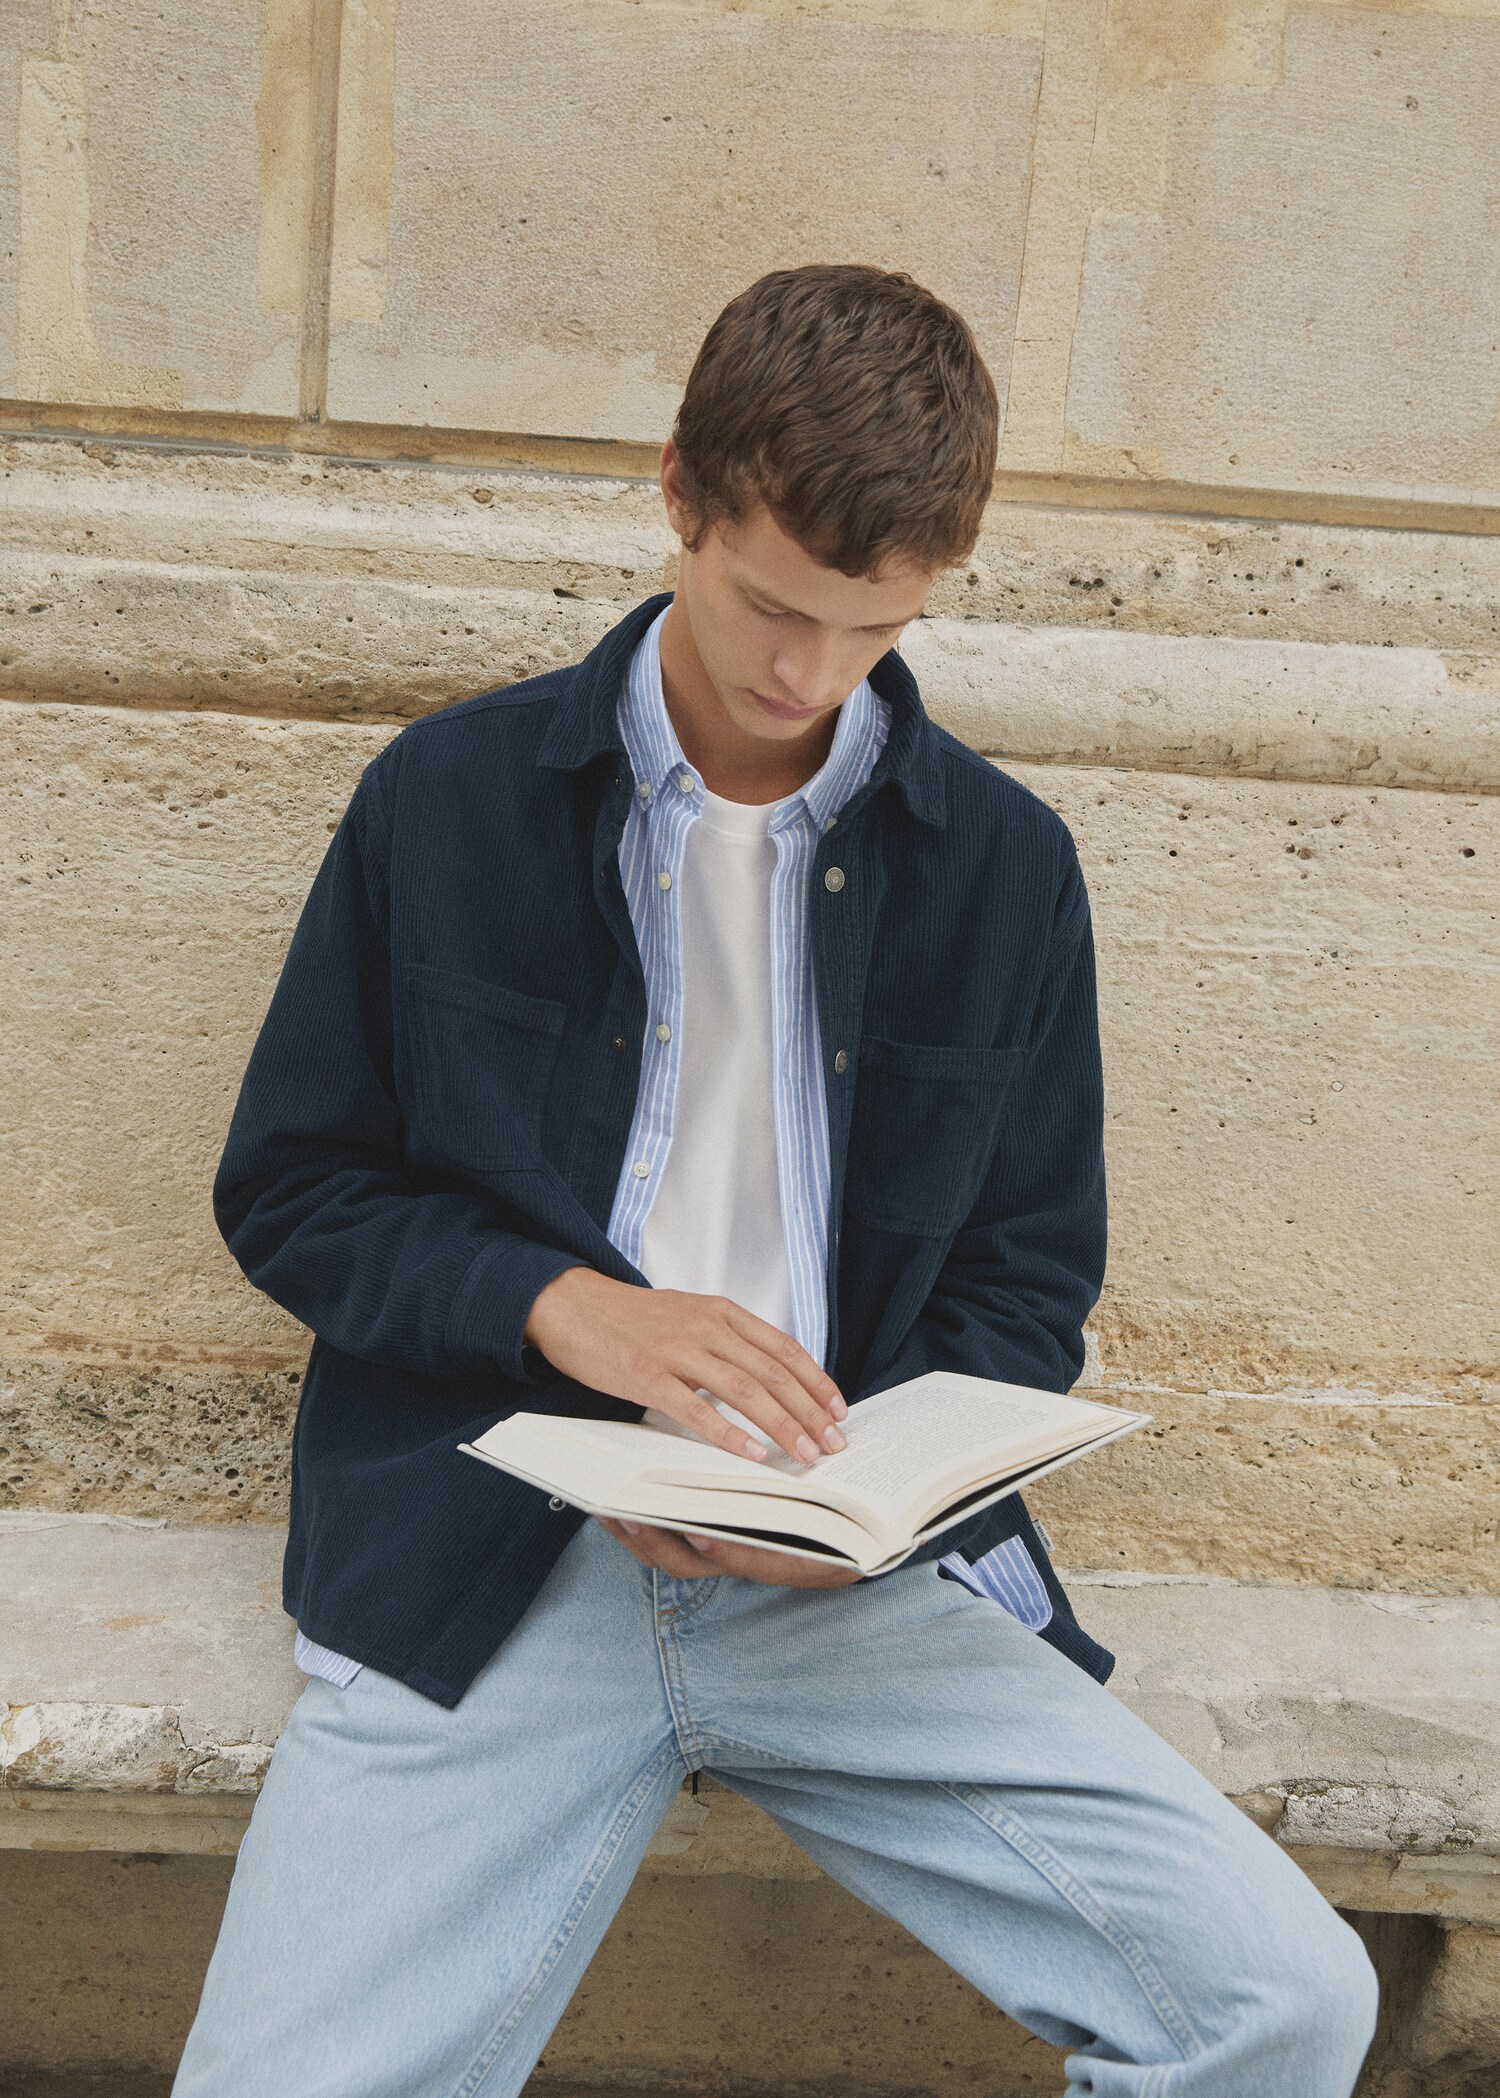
x,y
740,819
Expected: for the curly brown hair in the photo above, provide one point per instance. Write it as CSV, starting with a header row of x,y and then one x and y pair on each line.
x,y
855,405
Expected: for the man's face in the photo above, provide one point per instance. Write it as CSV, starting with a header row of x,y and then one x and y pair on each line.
x,y
782,638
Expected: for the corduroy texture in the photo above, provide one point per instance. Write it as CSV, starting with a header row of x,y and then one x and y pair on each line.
x,y
435,1113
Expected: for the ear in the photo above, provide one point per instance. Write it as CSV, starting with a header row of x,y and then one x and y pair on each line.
x,y
680,514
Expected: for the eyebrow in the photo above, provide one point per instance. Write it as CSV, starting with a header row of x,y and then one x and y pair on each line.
x,y
875,626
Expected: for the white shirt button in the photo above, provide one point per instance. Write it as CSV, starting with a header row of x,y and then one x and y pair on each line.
x,y
834,879
644,790
832,820
663,1032
664,880
642,1168
685,781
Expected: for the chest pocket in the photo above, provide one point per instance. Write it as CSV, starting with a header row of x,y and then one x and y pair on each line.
x,y
923,1131
480,1057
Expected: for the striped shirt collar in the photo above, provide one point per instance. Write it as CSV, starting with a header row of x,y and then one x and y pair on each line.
x,y
656,756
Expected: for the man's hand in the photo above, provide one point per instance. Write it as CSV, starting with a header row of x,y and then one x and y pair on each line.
x,y
657,1346
692,1557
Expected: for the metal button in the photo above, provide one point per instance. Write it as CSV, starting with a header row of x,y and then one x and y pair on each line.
x,y
663,1032
685,781
644,790
556,1502
617,1041
642,1168
664,880
834,879
841,1060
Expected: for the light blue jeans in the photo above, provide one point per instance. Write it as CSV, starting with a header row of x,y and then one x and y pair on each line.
x,y
420,1890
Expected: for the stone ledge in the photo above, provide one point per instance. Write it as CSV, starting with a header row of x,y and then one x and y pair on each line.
x,y
252,586
147,1671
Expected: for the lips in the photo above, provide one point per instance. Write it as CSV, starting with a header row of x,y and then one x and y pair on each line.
x,y
780,708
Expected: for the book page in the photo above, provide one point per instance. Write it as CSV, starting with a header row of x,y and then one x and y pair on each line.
x,y
894,1450
910,1448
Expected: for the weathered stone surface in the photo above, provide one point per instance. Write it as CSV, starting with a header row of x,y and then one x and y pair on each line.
x,y
606,539
1296,986
1280,201
1373,1717
1440,2035
1309,1487
198,1442
590,275
1288,710
153,867
155,207
253,586
138,1656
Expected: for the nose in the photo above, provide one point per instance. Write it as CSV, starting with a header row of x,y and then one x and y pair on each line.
x,y
807,672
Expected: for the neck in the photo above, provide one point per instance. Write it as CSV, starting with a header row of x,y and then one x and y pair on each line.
x,y
730,762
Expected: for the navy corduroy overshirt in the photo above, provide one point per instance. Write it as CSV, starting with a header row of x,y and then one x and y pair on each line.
x,y
435,1113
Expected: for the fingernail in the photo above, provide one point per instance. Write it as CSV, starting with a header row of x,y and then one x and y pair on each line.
x,y
837,1407
833,1439
755,1449
633,1528
807,1449
704,1544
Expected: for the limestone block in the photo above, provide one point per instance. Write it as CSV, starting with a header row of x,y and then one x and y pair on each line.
x,y
1318,1486
1282,224
1315,1487
1289,710
543,209
209,517
201,1441
1341,1721
1369,1716
154,866
111,1685
155,187
1449,2045
1297,988
257,586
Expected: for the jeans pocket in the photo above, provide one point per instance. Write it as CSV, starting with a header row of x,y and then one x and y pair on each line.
x,y
1007,1575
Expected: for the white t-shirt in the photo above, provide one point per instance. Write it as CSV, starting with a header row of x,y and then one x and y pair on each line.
x,y
714,1225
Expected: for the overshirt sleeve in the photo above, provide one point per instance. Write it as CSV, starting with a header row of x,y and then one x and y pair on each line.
x,y
1026,1268
310,1195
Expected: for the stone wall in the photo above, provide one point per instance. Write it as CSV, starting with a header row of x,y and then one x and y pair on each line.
x,y
337,347
337,342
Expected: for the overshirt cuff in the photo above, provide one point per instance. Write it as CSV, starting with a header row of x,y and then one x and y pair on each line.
x,y
487,1324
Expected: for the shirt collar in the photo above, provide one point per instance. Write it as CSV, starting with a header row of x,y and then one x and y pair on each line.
x,y
657,759
585,720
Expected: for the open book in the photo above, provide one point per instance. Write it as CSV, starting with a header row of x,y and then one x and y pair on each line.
x,y
922,1456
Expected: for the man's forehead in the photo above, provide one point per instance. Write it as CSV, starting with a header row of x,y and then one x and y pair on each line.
x,y
763,557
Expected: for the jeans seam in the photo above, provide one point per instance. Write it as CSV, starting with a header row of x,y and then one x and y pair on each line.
x,y
604,1856
1012,1830
682,1612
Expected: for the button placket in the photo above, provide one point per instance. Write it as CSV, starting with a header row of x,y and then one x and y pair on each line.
x,y
668,818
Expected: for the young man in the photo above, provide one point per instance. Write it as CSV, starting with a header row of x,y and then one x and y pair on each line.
x,y
700,1023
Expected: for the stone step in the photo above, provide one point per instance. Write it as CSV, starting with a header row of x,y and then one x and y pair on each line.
x,y
147,1671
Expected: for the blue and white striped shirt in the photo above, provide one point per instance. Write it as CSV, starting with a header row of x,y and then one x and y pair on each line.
x,y
668,800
